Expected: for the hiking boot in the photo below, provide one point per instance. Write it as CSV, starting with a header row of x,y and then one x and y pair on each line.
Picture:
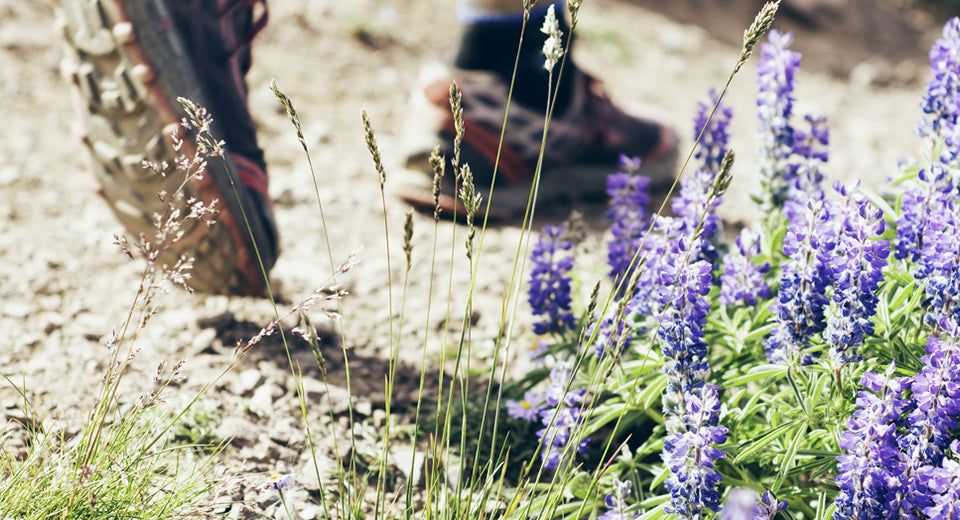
x,y
130,60
583,145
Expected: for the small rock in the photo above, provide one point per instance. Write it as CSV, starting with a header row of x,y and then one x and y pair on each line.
x,y
53,321
364,408
203,341
403,455
242,431
313,389
338,399
247,381
310,511
379,418
264,397
285,431
8,174
17,309
90,326
261,452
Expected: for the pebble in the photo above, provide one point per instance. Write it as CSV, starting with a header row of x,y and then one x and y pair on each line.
x,y
247,381
309,511
17,309
379,418
338,399
403,455
53,321
286,431
242,431
313,389
203,341
263,398
364,408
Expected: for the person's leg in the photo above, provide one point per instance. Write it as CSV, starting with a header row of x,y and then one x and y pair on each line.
x,y
587,132
130,60
490,32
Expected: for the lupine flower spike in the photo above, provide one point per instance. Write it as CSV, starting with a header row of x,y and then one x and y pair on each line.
x,y
562,418
742,279
939,103
694,201
775,79
689,452
936,413
549,294
616,501
741,504
629,218
859,259
802,301
869,467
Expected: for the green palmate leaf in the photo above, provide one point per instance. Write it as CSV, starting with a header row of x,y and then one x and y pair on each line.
x,y
814,468
818,383
900,298
755,404
654,444
759,333
755,374
652,392
790,455
749,449
791,378
603,415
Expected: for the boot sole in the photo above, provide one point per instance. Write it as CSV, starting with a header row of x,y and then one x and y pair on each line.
x,y
129,111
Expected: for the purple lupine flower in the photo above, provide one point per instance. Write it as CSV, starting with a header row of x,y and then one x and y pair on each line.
x,y
936,408
940,262
713,145
944,485
683,297
616,501
869,467
918,206
538,353
561,416
810,154
644,304
813,142
939,103
558,391
549,294
628,216
695,200
528,408
742,279
936,392
769,506
610,334
775,80
802,300
689,453
691,406
560,425
858,263
741,504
